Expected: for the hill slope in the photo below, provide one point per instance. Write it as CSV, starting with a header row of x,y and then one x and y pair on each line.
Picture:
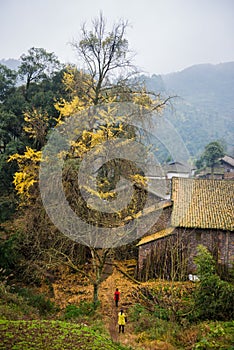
x,y
204,109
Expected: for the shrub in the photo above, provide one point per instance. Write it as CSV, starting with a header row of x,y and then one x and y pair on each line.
x,y
135,312
84,309
9,253
205,263
38,301
215,336
161,313
214,298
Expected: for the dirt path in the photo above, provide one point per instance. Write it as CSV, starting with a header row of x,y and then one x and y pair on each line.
x,y
110,312
72,290
108,306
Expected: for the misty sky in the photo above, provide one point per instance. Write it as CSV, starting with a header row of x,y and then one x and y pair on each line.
x,y
167,35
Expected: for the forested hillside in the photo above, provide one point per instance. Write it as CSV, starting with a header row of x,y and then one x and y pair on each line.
x,y
203,110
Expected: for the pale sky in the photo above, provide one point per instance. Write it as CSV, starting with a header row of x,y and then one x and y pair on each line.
x,y
167,35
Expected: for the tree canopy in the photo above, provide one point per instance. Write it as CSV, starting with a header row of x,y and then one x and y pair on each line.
x,y
37,65
105,56
211,155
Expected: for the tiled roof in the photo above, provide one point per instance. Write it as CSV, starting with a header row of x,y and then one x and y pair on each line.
x,y
177,167
228,160
208,171
161,171
203,203
157,235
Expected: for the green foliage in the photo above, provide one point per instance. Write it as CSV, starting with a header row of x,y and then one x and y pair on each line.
x,y
184,335
7,208
211,155
53,335
161,312
83,309
9,254
213,151
7,81
216,336
14,306
205,263
135,312
37,64
214,298
43,86
154,323
38,301
16,303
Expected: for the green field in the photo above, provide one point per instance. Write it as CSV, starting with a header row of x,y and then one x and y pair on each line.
x,y
41,335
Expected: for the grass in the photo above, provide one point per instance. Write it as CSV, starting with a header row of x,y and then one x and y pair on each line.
x,y
53,335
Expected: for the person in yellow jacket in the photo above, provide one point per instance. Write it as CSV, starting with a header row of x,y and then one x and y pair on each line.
x,y
122,319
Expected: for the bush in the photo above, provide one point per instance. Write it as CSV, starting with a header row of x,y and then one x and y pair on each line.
x,y
38,301
9,253
205,263
135,312
161,313
214,298
84,309
218,335
153,323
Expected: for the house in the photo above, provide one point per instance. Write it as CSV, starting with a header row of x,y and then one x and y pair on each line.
x,y
228,164
159,177
223,170
169,170
178,169
201,212
207,173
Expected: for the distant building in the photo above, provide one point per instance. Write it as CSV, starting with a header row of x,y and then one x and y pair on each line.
x,y
177,169
218,173
228,164
224,170
159,177
169,170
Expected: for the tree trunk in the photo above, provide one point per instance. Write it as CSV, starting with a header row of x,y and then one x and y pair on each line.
x,y
95,294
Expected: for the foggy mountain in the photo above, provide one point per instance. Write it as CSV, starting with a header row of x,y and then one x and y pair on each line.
x,y
10,63
203,110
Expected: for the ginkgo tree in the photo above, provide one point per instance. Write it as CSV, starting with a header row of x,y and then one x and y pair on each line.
x,y
36,126
26,177
105,79
105,55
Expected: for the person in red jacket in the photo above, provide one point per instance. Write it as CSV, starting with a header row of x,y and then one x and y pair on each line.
x,y
116,297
